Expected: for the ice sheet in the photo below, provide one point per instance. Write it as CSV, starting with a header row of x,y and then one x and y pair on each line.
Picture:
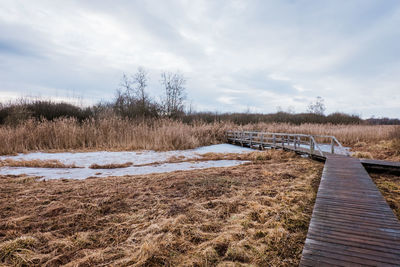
x,y
82,173
85,159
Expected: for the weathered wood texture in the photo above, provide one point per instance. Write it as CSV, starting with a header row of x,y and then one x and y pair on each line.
x,y
351,224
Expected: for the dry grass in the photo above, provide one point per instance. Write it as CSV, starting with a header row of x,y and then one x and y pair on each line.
x,y
250,215
111,166
36,163
389,185
252,156
384,150
106,134
18,251
120,134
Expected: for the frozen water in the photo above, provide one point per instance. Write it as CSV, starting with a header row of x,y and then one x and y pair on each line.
x,y
82,173
85,159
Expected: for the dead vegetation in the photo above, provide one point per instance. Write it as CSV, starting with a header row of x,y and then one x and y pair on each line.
x,y
36,163
249,215
383,150
163,134
389,185
211,156
106,134
111,165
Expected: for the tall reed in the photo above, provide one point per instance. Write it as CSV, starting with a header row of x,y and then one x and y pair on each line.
x,y
114,133
111,133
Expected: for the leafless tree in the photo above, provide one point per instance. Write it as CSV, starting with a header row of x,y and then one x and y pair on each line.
x,y
132,99
317,106
126,86
140,80
174,86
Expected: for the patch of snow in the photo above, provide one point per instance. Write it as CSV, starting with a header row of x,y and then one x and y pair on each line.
x,y
223,148
82,173
85,159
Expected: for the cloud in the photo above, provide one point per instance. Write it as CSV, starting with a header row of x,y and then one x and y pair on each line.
x,y
236,55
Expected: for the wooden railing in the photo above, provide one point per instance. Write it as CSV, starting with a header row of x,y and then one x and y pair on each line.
x,y
298,142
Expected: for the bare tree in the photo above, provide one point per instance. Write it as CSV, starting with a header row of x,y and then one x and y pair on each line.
x,y
132,100
175,95
317,107
140,80
126,86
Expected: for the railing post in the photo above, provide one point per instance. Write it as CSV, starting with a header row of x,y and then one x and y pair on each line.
x,y
283,141
274,140
251,137
241,138
294,142
332,146
262,141
311,146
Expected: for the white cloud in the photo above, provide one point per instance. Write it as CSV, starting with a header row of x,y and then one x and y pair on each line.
x,y
228,100
236,55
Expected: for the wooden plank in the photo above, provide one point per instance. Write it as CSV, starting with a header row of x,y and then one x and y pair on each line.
x,y
380,162
351,223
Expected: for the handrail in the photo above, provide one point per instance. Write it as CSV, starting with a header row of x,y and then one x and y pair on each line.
x,y
282,138
314,142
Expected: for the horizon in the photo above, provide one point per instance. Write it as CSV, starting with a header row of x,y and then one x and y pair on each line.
x,y
252,56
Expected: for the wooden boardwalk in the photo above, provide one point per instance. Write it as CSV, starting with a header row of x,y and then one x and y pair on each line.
x,y
351,224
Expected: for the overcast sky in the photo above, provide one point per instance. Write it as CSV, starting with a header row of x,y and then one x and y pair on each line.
x,y
235,55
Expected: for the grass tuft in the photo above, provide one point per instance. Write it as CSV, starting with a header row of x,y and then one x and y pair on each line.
x,y
37,163
18,252
111,166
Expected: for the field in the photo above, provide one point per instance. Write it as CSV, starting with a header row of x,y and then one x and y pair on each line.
x,y
251,214
255,214
389,185
371,141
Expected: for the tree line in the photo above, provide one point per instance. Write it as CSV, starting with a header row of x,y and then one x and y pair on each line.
x,y
132,101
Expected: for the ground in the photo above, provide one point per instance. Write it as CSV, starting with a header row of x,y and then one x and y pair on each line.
x,y
389,185
250,215
382,150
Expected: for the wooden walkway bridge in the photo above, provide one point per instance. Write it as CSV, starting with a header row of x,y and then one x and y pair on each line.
x,y
351,224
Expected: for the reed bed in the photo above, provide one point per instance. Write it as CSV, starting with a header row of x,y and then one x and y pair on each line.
x,y
121,134
250,215
107,134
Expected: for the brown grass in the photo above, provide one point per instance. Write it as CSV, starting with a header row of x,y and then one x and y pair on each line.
x,y
383,150
111,166
389,185
107,134
250,215
36,163
121,134
251,156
